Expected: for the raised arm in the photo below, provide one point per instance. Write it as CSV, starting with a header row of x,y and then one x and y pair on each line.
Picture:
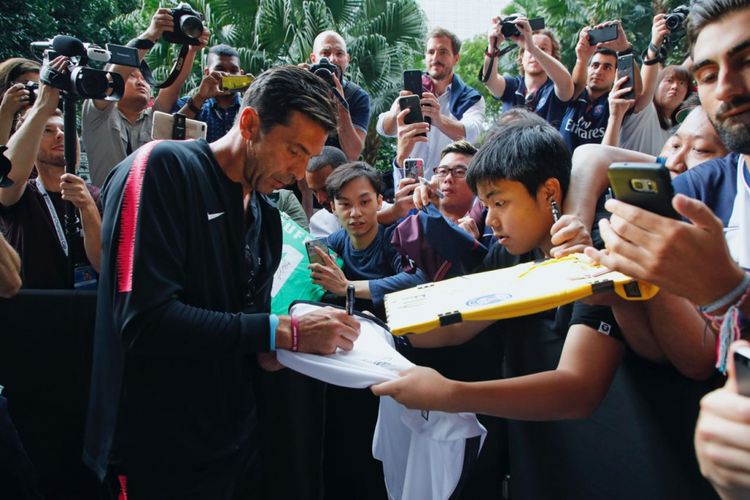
x,y
23,146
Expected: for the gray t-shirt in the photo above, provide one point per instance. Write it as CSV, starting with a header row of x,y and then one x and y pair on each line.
x,y
642,132
109,137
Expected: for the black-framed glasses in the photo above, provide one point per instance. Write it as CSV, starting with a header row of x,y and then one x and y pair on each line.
x,y
457,172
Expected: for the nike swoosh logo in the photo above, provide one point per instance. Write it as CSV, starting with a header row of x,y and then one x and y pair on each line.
x,y
214,216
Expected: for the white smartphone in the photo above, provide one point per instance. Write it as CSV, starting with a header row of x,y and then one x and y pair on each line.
x,y
161,127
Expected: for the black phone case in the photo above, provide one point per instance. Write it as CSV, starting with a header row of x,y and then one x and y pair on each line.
x,y
625,67
605,34
623,177
413,81
415,109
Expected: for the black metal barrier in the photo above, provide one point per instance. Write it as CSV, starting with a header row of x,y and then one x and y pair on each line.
x,y
45,364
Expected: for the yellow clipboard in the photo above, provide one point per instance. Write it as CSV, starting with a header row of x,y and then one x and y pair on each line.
x,y
511,292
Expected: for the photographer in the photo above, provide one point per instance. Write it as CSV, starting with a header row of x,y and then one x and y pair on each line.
x,y
354,118
113,130
545,84
15,98
210,104
32,211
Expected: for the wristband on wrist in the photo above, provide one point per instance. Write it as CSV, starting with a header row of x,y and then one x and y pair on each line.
x,y
728,299
295,334
192,107
729,324
273,322
141,43
492,54
625,52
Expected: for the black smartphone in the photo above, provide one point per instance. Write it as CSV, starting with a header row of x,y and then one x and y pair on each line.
x,y
414,168
603,34
312,255
414,84
412,103
413,81
645,185
625,67
742,370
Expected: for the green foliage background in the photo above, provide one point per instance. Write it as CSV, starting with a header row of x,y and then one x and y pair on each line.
x,y
384,37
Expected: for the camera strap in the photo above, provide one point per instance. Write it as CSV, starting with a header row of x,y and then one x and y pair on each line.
x,y
485,75
176,67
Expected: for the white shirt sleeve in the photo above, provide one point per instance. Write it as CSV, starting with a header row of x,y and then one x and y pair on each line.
x,y
473,120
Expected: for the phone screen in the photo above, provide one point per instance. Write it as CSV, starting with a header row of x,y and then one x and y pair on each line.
x,y
742,370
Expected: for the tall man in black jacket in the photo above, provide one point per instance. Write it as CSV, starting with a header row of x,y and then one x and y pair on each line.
x,y
190,246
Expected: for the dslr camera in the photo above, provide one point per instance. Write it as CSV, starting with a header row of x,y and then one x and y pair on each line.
x,y
33,88
80,80
509,29
188,26
325,69
676,19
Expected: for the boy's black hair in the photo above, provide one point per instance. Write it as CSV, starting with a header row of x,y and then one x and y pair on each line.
x,y
346,173
524,151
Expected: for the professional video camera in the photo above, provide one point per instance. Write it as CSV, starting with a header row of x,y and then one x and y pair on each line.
x,y
188,25
325,69
80,80
676,19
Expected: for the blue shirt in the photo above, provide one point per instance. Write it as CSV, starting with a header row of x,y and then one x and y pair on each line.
x,y
714,183
379,263
545,102
585,121
218,120
359,109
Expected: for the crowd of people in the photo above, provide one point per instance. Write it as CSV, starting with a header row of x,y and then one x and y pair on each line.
x,y
181,240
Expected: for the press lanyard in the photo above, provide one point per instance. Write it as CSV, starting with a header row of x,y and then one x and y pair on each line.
x,y
53,215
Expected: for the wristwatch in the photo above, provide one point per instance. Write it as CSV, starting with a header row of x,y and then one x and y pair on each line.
x,y
625,52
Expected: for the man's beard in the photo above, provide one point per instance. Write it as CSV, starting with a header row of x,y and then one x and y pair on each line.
x,y
734,131
51,160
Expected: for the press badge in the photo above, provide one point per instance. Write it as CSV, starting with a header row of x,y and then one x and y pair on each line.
x,y
84,278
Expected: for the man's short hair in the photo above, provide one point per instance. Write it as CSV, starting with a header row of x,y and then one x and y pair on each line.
x,y
552,38
442,32
523,151
12,68
330,156
461,147
223,50
279,91
604,51
705,12
346,173
326,34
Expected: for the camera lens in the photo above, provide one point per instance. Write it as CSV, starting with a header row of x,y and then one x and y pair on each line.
x,y
191,26
638,185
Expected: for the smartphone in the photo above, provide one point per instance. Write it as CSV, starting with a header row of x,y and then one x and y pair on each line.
x,y
312,255
604,34
645,185
414,168
742,370
412,103
413,81
163,124
625,67
236,83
